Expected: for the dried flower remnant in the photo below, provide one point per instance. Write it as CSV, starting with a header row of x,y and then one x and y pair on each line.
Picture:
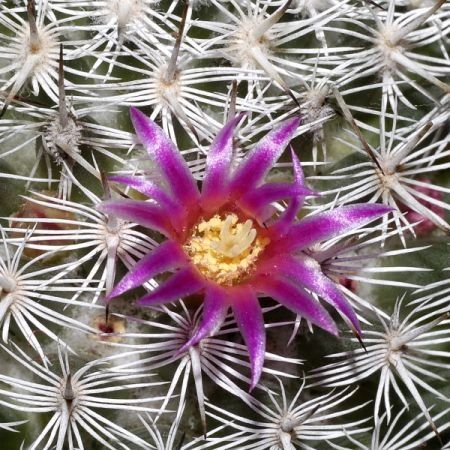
x,y
105,238
225,240
424,225
51,220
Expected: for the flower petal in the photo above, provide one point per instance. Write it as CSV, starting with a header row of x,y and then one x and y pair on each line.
x,y
255,167
298,300
281,226
153,191
249,317
182,283
257,200
215,308
218,162
166,256
307,272
167,157
142,213
329,224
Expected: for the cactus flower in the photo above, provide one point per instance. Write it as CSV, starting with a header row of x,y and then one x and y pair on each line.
x,y
225,240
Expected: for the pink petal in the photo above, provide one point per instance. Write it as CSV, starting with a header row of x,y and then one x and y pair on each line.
x,y
153,191
282,225
249,318
307,272
257,200
166,256
298,300
167,157
215,308
182,283
142,213
218,162
261,159
328,225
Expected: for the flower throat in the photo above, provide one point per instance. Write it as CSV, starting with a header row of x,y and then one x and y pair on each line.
x,y
225,249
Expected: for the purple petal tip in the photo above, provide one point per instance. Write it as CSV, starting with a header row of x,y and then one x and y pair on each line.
x,y
378,209
295,121
290,125
138,118
333,329
134,112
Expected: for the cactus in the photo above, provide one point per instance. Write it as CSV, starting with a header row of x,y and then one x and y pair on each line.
x,y
224,224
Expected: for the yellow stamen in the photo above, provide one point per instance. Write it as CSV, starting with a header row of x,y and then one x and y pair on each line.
x,y
224,249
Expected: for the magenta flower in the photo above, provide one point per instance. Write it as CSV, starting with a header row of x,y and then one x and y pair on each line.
x,y
226,242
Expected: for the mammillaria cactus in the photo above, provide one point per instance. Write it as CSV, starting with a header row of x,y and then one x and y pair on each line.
x,y
258,257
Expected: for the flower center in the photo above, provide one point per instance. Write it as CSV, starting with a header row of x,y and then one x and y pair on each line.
x,y
225,249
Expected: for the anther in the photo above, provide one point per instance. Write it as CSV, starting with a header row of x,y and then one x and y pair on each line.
x,y
233,244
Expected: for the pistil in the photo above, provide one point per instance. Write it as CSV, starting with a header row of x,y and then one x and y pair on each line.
x,y
224,249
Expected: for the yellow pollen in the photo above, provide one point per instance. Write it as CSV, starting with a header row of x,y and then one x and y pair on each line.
x,y
224,249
